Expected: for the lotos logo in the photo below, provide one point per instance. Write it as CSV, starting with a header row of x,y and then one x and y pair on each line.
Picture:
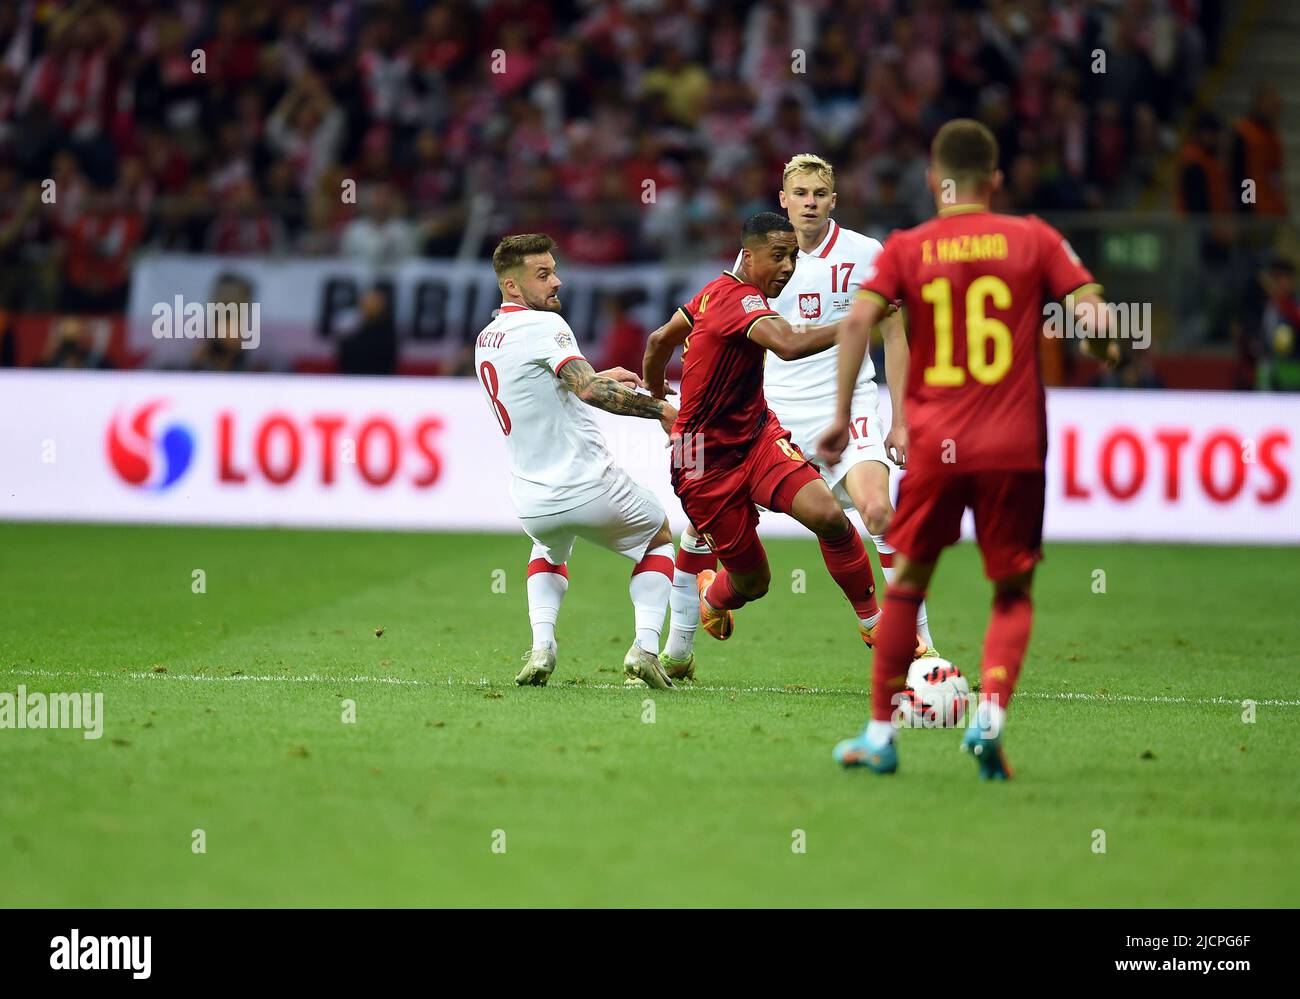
x,y
144,459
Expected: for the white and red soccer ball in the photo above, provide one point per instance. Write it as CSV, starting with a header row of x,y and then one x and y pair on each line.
x,y
936,695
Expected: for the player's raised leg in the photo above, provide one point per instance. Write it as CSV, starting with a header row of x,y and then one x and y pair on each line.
x,y
727,521
867,484
693,557
745,576
548,582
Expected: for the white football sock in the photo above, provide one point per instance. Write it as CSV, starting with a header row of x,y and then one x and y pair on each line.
x,y
884,548
685,604
546,591
650,589
880,732
990,717
923,625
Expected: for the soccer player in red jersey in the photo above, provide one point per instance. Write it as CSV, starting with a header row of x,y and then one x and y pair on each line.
x,y
973,284
729,450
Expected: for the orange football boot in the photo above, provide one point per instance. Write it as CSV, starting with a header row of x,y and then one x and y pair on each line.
x,y
869,638
718,623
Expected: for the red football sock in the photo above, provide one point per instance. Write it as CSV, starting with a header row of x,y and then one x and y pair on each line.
x,y
849,566
721,595
1004,646
895,645
695,562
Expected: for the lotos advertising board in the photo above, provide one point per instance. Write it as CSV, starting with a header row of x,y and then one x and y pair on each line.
x,y
428,454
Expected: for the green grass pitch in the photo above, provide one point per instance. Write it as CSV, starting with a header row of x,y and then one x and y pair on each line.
x,y
224,714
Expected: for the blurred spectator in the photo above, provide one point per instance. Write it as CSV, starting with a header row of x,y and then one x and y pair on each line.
x,y
20,229
70,191
624,339
306,127
244,226
232,54
887,211
327,215
683,85
381,236
598,238
1257,156
224,353
371,348
385,70
1023,190
167,91
1275,347
284,198
100,246
180,223
1203,188
232,162
76,343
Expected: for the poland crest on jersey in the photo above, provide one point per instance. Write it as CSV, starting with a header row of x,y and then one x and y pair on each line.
x,y
810,305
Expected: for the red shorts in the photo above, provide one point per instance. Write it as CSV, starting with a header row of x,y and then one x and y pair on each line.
x,y
1008,507
721,503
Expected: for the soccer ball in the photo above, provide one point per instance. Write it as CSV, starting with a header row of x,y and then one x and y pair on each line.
x,y
936,695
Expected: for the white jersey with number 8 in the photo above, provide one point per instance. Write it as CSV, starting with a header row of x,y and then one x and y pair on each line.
x,y
558,456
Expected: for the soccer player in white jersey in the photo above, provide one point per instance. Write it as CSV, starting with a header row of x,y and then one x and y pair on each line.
x,y
832,262
563,481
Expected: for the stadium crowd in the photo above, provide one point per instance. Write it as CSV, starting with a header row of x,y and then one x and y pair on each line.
x,y
632,130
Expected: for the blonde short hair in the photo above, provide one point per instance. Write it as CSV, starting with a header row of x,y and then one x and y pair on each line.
x,y
809,163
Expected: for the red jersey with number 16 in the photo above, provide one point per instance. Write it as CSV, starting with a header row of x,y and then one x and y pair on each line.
x,y
722,369
974,283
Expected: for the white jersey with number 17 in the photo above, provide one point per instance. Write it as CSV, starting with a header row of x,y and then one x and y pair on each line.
x,y
821,291
558,457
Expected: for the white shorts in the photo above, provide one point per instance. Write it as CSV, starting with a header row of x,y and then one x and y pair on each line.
x,y
624,518
866,436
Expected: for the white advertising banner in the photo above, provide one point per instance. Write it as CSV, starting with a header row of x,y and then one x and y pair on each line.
x,y
428,454
305,305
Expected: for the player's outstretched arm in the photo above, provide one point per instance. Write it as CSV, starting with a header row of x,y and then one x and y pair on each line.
x,y
855,334
612,396
780,338
659,350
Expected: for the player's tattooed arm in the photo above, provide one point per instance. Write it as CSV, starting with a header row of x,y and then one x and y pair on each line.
x,y
606,393
789,344
659,350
